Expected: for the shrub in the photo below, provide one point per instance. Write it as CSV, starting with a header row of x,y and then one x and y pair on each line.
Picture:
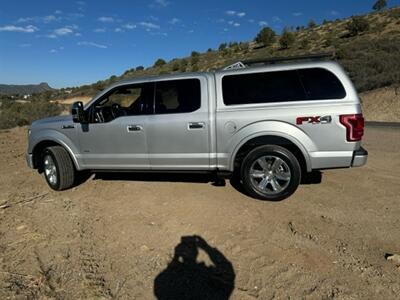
x,y
312,24
175,66
371,65
139,68
20,114
183,65
287,39
357,25
222,47
379,5
159,62
266,36
195,54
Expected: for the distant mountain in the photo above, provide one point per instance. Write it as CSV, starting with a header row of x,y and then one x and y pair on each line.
x,y
11,89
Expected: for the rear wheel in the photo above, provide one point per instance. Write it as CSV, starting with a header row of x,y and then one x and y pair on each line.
x,y
270,172
58,168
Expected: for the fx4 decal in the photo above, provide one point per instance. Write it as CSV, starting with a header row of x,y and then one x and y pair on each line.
x,y
314,120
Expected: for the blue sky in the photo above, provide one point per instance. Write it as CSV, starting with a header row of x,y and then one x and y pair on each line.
x,y
69,43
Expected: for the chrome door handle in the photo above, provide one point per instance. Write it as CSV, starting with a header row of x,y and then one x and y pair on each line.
x,y
196,125
68,127
134,128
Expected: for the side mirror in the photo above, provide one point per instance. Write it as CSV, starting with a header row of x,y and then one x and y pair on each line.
x,y
77,112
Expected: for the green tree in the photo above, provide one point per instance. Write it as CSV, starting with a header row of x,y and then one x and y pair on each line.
x,y
379,5
312,24
222,47
139,68
287,39
266,36
195,53
159,62
357,25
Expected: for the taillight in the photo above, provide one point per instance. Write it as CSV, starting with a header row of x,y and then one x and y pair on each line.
x,y
354,126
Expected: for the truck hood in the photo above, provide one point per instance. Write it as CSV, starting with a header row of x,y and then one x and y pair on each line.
x,y
52,120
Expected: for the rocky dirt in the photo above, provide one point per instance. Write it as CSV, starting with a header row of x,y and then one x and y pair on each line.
x,y
138,237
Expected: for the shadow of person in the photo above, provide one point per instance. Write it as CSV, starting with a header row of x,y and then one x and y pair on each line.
x,y
185,278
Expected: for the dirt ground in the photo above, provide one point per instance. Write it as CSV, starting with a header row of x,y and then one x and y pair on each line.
x,y
177,237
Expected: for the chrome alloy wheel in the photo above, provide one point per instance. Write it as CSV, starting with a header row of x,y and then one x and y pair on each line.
x,y
50,169
270,174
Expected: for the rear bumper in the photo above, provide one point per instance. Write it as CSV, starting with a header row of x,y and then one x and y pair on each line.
x,y
29,160
360,157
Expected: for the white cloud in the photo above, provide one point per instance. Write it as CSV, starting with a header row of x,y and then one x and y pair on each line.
x,y
56,50
334,13
91,44
163,3
63,31
174,21
78,34
26,29
25,20
82,3
276,19
236,24
297,14
251,20
118,29
106,19
25,45
45,19
263,23
58,12
100,30
234,13
159,4
50,18
129,26
149,25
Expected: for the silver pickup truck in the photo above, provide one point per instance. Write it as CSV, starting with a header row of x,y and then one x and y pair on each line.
x,y
270,124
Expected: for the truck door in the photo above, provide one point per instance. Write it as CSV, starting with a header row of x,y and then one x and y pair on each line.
x,y
178,131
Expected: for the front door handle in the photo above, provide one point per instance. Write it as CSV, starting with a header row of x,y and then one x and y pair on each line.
x,y
132,128
196,125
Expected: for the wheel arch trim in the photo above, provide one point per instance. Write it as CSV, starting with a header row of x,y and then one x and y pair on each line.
x,y
271,134
54,136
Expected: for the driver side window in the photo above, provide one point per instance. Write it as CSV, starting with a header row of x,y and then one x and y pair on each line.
x,y
128,100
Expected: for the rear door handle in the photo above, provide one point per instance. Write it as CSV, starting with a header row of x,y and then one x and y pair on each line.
x,y
196,125
132,128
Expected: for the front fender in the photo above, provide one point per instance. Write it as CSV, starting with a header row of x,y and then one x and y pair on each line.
x,y
55,136
272,128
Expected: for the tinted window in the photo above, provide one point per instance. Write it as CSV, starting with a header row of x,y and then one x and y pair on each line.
x,y
321,84
262,87
177,96
294,85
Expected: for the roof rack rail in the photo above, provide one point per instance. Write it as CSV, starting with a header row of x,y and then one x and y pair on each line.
x,y
273,60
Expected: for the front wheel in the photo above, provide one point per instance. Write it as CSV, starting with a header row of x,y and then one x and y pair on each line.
x,y
271,173
58,168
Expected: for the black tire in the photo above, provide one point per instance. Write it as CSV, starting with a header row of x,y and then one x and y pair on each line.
x,y
271,152
64,168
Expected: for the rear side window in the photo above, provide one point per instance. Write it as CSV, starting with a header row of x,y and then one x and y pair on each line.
x,y
282,86
321,84
177,96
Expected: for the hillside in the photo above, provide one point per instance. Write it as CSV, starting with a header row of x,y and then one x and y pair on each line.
x,y
12,89
367,46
